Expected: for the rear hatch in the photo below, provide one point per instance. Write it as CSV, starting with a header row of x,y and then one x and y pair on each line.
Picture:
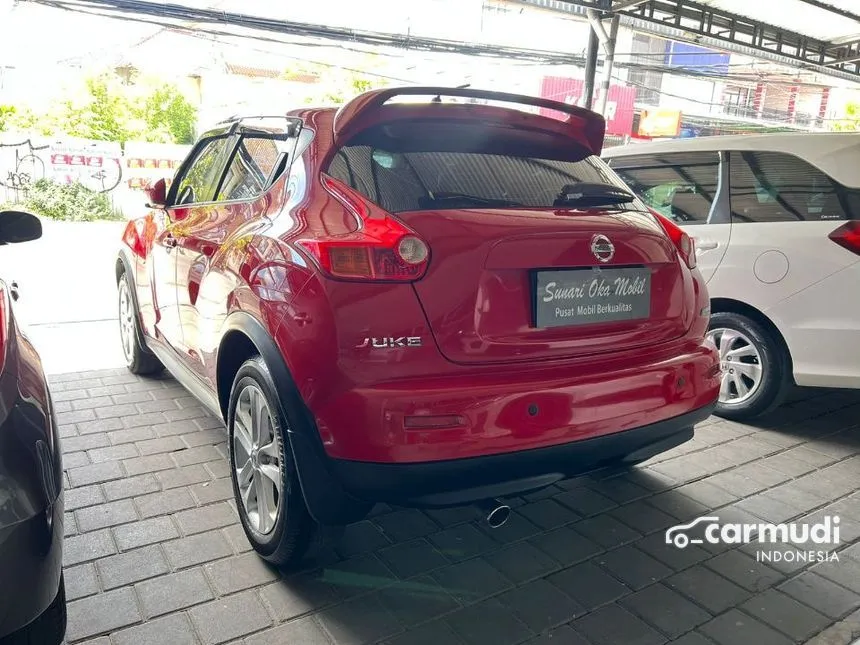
x,y
533,254
509,285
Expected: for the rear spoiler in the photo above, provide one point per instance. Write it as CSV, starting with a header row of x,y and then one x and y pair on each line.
x,y
589,125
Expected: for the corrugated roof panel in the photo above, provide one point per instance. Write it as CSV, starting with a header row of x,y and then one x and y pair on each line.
x,y
798,16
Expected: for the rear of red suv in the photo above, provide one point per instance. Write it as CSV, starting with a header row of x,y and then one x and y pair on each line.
x,y
416,300
491,309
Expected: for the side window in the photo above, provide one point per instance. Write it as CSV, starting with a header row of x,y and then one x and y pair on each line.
x,y
779,187
256,164
198,183
680,186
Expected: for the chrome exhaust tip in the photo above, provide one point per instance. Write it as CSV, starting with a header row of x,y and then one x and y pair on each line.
x,y
497,512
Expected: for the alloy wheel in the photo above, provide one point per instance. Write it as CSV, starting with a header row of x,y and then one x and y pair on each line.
x,y
740,365
127,331
257,460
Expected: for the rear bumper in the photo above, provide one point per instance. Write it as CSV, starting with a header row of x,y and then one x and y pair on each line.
x,y
514,409
31,476
31,555
461,481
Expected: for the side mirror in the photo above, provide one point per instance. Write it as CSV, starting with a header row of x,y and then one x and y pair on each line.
x,y
18,226
157,194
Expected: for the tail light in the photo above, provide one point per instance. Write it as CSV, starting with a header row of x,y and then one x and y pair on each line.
x,y
383,248
848,236
683,242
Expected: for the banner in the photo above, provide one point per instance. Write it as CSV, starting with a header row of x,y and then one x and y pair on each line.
x,y
95,164
147,162
619,102
660,122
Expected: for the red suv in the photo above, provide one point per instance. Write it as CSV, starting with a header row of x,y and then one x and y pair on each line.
x,y
421,302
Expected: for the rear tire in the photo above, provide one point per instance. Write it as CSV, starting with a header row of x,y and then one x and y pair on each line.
x,y
138,358
756,367
268,494
47,629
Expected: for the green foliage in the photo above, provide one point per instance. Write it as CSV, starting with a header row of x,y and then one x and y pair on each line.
x,y
338,89
361,85
7,116
103,114
851,122
336,85
168,115
27,120
68,202
108,109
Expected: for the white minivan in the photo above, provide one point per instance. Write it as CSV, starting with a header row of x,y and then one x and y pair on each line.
x,y
776,220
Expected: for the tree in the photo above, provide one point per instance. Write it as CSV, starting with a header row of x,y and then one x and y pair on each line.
x,y
102,113
110,108
25,120
7,116
169,116
851,122
338,87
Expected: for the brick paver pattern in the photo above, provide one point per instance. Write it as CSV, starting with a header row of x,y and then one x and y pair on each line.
x,y
154,552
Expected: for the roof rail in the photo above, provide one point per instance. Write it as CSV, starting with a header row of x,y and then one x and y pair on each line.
x,y
244,117
239,123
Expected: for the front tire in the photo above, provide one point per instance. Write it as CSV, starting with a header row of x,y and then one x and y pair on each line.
x,y
755,367
138,358
265,483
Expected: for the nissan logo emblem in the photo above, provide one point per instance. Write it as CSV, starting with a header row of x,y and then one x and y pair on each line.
x,y
602,248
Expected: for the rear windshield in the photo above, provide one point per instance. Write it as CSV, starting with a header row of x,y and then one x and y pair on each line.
x,y
455,167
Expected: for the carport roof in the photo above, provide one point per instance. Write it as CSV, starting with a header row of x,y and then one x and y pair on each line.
x,y
821,35
833,21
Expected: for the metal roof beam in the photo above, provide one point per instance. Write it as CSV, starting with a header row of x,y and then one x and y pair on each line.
x,y
626,4
844,13
850,59
690,21
853,39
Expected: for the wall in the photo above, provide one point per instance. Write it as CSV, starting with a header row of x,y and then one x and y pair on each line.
x,y
101,166
691,95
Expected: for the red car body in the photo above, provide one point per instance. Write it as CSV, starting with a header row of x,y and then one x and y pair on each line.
x,y
424,382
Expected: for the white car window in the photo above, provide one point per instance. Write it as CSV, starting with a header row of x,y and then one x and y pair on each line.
x,y
778,187
679,186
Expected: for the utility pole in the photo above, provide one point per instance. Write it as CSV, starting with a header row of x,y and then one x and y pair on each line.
x,y
590,69
607,40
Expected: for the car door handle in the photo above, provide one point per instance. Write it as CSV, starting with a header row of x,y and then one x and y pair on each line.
x,y
706,245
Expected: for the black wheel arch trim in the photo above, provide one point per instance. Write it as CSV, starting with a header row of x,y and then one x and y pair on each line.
x,y
327,501
739,307
128,269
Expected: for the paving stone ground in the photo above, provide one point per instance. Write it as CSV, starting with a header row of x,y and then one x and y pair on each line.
x,y
154,553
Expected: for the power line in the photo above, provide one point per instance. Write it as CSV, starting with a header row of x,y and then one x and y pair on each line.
x,y
165,14
364,72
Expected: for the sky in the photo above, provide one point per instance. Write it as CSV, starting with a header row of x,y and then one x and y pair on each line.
x,y
32,35
37,32
43,40
47,44
35,35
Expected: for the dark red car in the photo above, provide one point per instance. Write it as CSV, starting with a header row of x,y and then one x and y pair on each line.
x,y
420,302
32,591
